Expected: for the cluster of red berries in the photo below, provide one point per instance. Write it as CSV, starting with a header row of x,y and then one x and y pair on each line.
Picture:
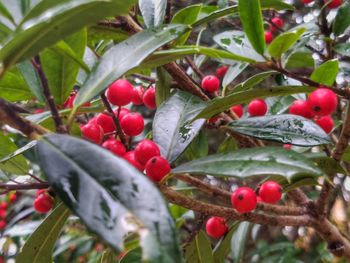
x,y
4,206
333,4
244,200
43,201
146,156
319,106
277,23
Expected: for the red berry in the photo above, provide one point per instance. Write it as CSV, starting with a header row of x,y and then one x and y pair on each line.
x,y
270,192
149,98
137,97
214,119
323,102
244,199
305,2
130,157
37,111
221,71
238,110
3,205
257,107
2,224
92,132
145,150
216,227
268,37
115,146
334,3
301,108
156,168
13,197
325,122
3,214
258,199
287,146
122,113
43,203
120,92
106,122
69,101
210,83
40,192
132,124
277,22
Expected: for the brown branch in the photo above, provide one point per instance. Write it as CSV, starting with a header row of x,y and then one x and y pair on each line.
x,y
13,187
194,67
60,127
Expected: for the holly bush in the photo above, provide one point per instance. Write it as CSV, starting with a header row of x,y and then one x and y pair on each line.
x,y
174,131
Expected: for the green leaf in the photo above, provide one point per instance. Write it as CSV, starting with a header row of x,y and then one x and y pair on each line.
x,y
343,49
4,32
278,5
247,163
237,43
228,145
233,72
171,130
342,19
39,246
223,248
251,19
163,86
346,155
4,12
300,60
18,164
51,21
327,164
124,200
326,73
132,256
219,105
32,79
198,148
107,256
96,33
284,128
124,57
199,250
284,42
239,240
253,81
17,152
61,73
153,11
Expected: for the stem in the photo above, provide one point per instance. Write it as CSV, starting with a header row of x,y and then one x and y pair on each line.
x,y
13,187
194,67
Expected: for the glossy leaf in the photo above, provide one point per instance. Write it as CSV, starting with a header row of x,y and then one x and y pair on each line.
x,y
59,69
219,105
342,19
171,130
251,19
199,250
233,72
39,247
124,57
284,128
300,60
239,240
326,73
163,86
223,248
123,199
198,148
343,49
284,42
247,163
153,11
253,81
237,43
17,152
327,164
51,21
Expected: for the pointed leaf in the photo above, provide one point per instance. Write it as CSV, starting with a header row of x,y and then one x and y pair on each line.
x,y
247,163
40,245
300,60
124,57
326,73
4,12
199,251
223,248
171,130
251,19
153,11
284,128
239,241
163,86
109,195
342,19
253,81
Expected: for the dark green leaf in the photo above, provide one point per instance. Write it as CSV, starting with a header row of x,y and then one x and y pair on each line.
x,y
284,42
247,163
346,155
153,11
4,32
251,19
132,256
59,69
123,199
342,19
327,164
171,130
32,79
228,145
237,43
51,21
17,152
39,246
278,5
4,12
326,73
219,105
199,250
223,248
124,57
233,72
300,60
284,128
239,240
97,33
198,148
343,49
163,86
253,81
